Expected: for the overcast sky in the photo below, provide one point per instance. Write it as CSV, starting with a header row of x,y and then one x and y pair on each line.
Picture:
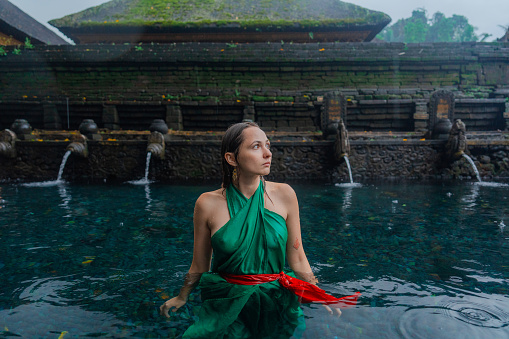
x,y
486,15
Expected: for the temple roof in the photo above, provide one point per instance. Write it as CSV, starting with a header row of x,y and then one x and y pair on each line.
x,y
199,18
16,23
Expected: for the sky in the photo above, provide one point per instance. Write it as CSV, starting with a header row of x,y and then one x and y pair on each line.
x,y
485,15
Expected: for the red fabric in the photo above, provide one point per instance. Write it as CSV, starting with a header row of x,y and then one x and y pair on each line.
x,y
306,292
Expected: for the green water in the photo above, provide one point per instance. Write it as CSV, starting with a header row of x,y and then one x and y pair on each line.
x,y
431,260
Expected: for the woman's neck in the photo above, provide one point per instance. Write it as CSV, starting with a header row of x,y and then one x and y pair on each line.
x,y
248,185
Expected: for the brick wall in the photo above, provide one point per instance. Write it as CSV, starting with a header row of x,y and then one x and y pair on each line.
x,y
283,83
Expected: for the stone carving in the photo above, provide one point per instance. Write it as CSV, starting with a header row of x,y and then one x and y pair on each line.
x,y
333,111
341,143
8,143
88,127
156,144
441,113
456,145
79,146
21,127
158,125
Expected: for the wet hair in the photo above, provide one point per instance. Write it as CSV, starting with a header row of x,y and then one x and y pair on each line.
x,y
232,139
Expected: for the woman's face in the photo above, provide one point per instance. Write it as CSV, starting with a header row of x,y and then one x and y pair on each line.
x,y
254,155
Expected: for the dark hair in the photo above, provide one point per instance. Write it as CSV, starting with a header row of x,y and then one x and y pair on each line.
x,y
232,139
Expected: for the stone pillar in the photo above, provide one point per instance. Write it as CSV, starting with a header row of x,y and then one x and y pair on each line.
x,y
506,116
51,119
421,116
248,113
441,113
110,118
174,118
333,111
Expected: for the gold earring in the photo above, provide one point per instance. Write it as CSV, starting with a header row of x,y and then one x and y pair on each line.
x,y
235,176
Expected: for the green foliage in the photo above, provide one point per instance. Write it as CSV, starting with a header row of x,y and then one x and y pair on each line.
x,y
16,51
28,44
419,28
3,52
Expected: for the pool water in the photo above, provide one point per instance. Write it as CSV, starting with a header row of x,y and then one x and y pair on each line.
x,y
431,260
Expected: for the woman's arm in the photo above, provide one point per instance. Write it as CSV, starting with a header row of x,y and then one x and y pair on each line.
x,y
202,254
294,250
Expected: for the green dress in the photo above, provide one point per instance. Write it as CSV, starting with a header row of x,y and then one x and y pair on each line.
x,y
253,241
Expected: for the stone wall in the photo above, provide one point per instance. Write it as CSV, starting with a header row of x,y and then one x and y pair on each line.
x,y
121,161
281,86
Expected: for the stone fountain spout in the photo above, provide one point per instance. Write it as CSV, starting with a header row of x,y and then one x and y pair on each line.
x,y
8,143
456,144
79,146
341,142
156,145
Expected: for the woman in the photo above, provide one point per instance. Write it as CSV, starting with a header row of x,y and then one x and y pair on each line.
x,y
251,225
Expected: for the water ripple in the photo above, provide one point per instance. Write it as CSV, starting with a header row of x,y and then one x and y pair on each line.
x,y
477,314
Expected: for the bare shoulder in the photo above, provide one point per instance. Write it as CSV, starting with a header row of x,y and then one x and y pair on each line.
x,y
209,201
279,189
281,194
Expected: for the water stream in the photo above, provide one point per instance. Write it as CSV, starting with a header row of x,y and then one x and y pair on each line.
x,y
351,183
473,167
144,180
349,169
62,165
59,180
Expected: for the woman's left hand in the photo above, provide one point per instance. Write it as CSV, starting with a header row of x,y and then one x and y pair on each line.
x,y
337,311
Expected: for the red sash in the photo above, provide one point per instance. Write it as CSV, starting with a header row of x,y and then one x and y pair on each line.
x,y
306,292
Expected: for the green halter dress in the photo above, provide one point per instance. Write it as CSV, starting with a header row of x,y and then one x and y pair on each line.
x,y
253,241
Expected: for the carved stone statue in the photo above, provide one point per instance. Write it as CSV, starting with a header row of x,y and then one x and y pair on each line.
x,y
156,144
341,143
457,143
7,143
79,145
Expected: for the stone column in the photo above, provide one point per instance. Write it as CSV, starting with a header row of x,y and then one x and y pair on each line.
x,y
248,113
110,118
421,116
174,118
51,118
506,116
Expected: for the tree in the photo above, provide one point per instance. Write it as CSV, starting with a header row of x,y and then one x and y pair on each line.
x,y
418,28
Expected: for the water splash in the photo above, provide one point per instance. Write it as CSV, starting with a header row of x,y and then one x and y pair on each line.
x,y
348,184
473,167
144,181
59,180
491,184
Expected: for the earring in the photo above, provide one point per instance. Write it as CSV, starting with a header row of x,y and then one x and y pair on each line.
x,y
235,176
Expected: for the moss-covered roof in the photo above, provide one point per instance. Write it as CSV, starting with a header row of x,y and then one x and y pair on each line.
x,y
224,14
16,23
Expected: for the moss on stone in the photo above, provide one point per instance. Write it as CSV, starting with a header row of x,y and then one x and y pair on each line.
x,y
240,14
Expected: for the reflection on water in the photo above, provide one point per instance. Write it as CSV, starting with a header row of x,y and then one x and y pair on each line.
x,y
430,260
